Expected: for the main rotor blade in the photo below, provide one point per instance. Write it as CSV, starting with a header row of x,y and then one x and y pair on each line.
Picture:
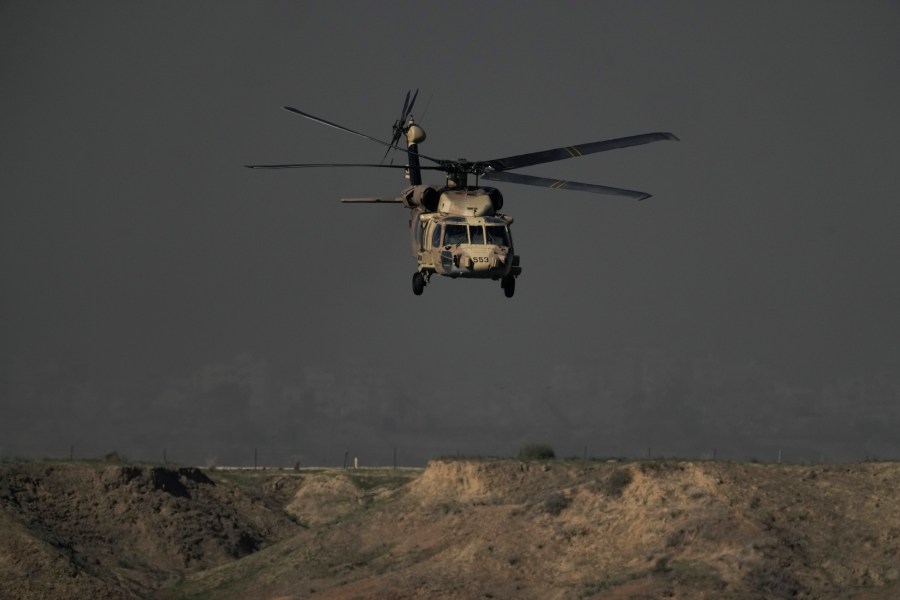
x,y
335,125
545,156
560,184
368,137
372,200
308,165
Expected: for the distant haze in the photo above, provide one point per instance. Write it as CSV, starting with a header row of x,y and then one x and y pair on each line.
x,y
157,298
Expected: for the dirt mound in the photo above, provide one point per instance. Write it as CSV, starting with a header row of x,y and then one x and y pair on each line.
x,y
511,529
324,498
487,481
462,529
121,530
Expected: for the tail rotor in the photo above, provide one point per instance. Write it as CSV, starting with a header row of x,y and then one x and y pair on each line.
x,y
400,124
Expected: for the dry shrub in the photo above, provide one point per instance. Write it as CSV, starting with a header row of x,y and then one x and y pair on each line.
x,y
616,482
555,503
774,582
536,452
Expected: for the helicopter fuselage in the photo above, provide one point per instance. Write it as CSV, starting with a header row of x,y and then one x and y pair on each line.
x,y
465,236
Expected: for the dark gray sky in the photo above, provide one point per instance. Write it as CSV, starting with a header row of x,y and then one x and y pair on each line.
x,y
136,249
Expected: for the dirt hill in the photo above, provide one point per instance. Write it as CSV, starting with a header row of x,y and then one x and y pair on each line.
x,y
458,529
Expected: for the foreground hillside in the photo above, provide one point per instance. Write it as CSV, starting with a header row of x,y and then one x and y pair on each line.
x,y
458,529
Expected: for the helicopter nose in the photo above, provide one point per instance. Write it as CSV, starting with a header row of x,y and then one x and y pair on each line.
x,y
480,260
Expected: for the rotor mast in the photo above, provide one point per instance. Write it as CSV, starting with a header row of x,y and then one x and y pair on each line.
x,y
415,135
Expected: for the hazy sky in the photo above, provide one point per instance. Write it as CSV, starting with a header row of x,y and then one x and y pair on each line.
x,y
136,247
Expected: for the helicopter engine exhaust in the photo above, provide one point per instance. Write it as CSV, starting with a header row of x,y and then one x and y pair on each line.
x,y
496,199
426,196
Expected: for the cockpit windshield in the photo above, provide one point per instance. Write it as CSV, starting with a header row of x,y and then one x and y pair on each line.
x,y
497,235
455,234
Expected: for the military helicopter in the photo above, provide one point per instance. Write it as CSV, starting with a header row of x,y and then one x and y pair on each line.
x,y
457,229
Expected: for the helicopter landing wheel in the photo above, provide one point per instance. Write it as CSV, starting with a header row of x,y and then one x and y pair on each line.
x,y
418,283
508,284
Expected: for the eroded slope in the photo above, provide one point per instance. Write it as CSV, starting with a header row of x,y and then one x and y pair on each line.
x,y
508,529
120,531
461,529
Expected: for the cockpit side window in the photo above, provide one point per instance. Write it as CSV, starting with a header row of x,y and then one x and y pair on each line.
x,y
497,235
476,232
420,234
456,234
436,235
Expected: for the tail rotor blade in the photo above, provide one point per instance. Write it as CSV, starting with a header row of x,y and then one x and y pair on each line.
x,y
406,103
393,145
407,111
400,125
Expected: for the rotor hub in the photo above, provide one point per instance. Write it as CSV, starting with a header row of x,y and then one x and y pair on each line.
x,y
414,133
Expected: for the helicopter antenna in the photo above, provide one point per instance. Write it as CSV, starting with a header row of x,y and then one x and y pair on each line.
x,y
427,104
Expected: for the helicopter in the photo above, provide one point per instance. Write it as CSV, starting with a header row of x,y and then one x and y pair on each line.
x,y
457,229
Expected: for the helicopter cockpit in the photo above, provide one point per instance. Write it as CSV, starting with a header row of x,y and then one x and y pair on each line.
x,y
478,247
453,231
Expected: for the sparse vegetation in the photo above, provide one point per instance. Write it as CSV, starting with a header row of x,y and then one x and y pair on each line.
x,y
448,508
616,482
662,565
694,573
536,452
613,581
555,503
387,479
115,457
675,539
660,466
774,582
467,458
